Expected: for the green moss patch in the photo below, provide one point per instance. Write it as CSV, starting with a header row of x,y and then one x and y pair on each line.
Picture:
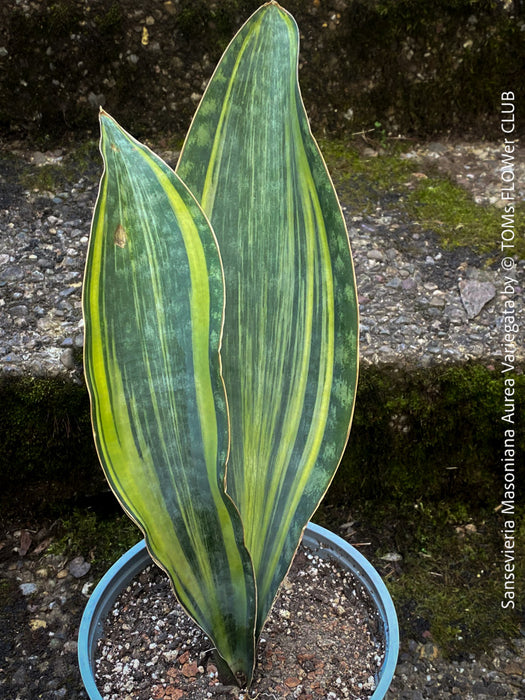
x,y
366,183
418,194
449,211
451,580
423,479
407,66
80,161
416,434
48,455
429,434
101,539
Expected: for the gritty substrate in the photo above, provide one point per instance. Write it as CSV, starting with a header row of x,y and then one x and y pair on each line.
x,y
323,639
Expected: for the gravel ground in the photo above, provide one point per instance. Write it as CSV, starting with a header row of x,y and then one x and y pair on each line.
x,y
419,304
46,593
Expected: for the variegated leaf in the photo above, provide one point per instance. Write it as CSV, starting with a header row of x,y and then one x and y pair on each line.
x,y
153,308
291,321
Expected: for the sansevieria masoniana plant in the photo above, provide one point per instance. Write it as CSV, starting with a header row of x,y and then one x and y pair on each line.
x,y
221,336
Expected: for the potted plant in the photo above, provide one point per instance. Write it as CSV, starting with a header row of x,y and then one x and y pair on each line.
x,y
221,339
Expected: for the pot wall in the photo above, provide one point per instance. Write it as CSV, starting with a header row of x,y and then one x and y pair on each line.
x,y
315,537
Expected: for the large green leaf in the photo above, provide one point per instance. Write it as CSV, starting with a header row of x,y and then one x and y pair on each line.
x,y
153,307
291,323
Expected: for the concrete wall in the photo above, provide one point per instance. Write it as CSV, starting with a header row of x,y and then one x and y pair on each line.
x,y
416,66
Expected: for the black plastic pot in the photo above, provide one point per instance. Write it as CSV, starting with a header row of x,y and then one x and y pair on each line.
x,y
315,537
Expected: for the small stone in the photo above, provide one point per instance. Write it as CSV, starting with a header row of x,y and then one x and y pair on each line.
x,y
13,273
438,299
456,314
375,255
86,589
392,556
19,676
173,693
28,588
408,284
39,158
429,651
512,668
190,670
37,624
183,658
67,358
475,294
19,311
78,567
68,292
437,148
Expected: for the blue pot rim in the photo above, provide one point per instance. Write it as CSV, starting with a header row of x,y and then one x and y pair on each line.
x,y
136,559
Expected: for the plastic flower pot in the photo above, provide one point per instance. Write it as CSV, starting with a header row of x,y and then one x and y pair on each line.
x,y
315,537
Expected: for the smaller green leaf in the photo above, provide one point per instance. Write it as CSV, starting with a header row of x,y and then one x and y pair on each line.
x,y
153,307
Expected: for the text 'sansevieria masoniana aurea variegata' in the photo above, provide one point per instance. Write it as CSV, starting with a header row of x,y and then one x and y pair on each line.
x,y
221,336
